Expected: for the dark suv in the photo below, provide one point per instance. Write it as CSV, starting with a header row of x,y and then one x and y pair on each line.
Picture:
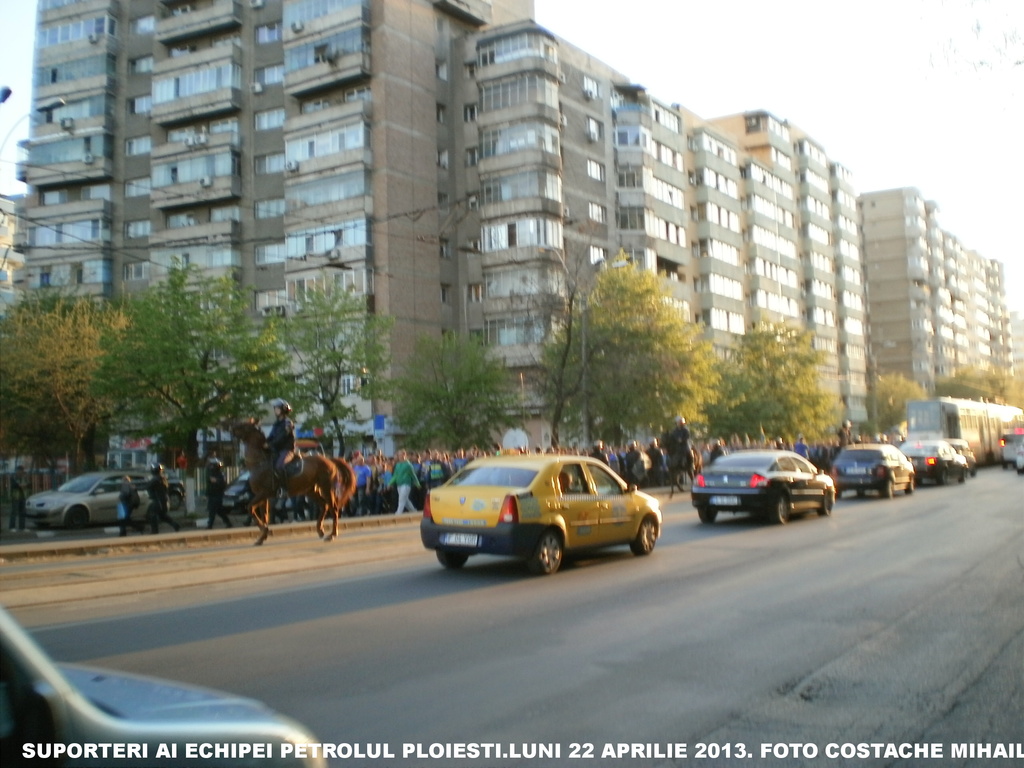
x,y
873,467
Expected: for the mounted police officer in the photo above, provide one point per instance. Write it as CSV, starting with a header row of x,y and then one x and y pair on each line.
x,y
281,440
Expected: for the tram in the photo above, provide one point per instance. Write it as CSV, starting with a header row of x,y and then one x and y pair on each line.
x,y
981,424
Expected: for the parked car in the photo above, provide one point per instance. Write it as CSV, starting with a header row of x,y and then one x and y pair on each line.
x,y
963,448
1020,459
935,460
1010,442
877,467
771,484
539,508
89,499
238,495
49,706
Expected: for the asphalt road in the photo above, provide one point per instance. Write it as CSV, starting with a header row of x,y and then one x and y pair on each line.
x,y
898,623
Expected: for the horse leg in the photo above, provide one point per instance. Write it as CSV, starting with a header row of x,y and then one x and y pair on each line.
x,y
263,521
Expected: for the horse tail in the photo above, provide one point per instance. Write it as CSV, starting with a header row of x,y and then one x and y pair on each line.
x,y
345,485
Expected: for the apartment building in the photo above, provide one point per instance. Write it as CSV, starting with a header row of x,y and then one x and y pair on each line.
x,y
11,260
936,306
451,160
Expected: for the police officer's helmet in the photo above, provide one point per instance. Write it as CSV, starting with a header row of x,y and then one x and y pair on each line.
x,y
157,468
680,419
282,404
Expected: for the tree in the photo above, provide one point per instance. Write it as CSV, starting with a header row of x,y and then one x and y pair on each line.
x,y
332,338
49,401
982,384
640,363
892,391
191,358
771,386
456,393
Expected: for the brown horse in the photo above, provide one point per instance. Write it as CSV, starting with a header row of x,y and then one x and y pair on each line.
x,y
329,482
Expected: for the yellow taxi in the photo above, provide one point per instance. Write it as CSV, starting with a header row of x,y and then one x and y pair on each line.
x,y
536,507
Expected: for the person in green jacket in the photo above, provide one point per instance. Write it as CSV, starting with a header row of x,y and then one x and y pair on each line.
x,y
405,478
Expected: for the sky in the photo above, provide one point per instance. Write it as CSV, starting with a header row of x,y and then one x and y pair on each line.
x,y
926,94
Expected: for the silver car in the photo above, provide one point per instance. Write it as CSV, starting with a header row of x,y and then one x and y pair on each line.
x,y
46,707
88,499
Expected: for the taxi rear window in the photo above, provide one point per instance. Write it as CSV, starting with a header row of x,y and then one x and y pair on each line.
x,y
510,477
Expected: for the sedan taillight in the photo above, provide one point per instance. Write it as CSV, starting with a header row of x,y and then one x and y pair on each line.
x,y
426,508
509,512
931,461
758,481
699,481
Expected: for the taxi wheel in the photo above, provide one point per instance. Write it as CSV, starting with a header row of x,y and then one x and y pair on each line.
x,y
547,557
889,489
643,544
910,485
451,559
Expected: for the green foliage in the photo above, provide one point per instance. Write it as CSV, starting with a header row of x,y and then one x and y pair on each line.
x,y
191,358
49,402
891,393
631,360
455,394
982,384
771,385
331,338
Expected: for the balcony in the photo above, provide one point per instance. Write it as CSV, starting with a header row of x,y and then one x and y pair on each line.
x,y
82,9
88,167
220,16
184,109
475,12
207,189
331,71
209,233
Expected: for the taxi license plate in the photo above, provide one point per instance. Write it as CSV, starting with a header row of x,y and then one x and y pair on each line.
x,y
460,539
725,501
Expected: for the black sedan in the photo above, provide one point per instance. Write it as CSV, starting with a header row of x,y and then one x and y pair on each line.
x,y
935,460
873,467
771,484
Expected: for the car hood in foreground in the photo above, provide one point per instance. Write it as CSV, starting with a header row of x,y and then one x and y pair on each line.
x,y
134,697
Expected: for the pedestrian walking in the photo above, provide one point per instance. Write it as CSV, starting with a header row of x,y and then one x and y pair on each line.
x,y
127,502
216,484
158,501
404,477
17,518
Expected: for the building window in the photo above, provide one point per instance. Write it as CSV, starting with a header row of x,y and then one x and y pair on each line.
x,y
472,156
270,119
140,145
269,209
446,294
144,25
140,105
141,65
270,75
270,163
474,293
469,113
595,170
598,213
441,114
268,33
138,228
137,187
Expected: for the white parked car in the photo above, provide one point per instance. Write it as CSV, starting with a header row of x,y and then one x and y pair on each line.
x,y
1020,459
